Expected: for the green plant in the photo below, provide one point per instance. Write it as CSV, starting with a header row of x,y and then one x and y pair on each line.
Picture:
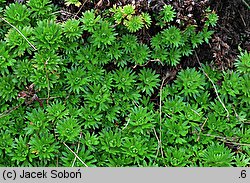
x,y
68,129
77,79
217,155
36,121
2,1
69,160
176,129
129,43
8,84
17,14
48,35
44,146
103,35
91,117
140,54
91,141
177,157
124,79
172,36
56,111
243,63
111,141
72,30
127,16
98,96
17,44
147,19
90,20
117,87
172,43
21,151
41,8
6,59
197,39
140,120
190,82
241,160
5,144
74,2
148,81
134,23
231,85
212,18
245,83
138,149
166,15
48,61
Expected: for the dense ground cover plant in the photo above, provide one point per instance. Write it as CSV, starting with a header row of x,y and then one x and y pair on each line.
x,y
86,84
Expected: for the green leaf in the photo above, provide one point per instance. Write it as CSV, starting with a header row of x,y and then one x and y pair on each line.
x,y
68,130
217,155
134,23
148,81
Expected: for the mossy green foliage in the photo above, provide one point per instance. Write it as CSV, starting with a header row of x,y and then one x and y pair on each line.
x,y
88,84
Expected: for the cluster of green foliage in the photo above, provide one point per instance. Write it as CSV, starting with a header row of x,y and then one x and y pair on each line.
x,y
73,2
93,94
127,16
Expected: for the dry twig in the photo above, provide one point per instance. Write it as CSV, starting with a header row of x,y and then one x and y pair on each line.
x,y
77,150
202,126
80,8
248,6
35,49
75,154
47,79
5,113
215,89
226,140
160,117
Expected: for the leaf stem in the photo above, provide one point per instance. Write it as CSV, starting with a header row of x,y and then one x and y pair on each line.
x,y
75,154
77,150
215,89
35,49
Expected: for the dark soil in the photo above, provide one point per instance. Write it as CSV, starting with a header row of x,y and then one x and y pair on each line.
x,y
231,32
